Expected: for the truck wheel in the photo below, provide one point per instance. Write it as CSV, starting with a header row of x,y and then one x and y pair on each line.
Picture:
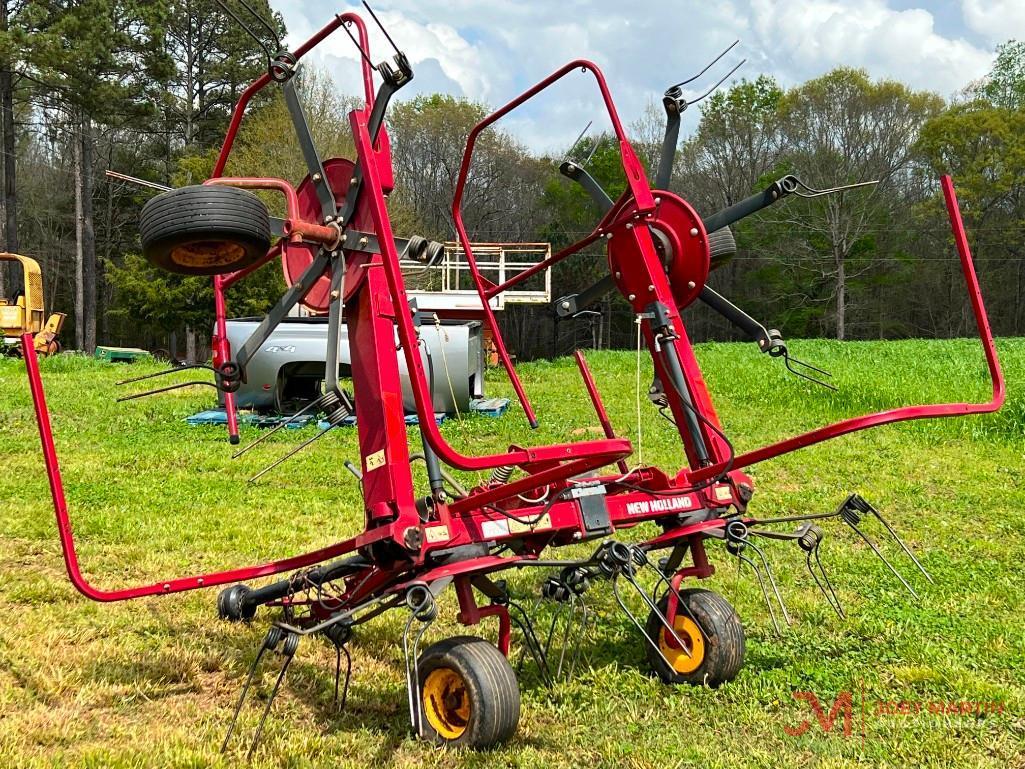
x,y
204,230
469,696
714,644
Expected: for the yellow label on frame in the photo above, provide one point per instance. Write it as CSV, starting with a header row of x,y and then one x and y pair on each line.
x,y
375,460
437,534
544,522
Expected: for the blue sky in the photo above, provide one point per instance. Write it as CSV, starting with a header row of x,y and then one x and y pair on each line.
x,y
490,51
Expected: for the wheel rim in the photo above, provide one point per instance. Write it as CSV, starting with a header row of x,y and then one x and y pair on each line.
x,y
446,702
207,253
688,658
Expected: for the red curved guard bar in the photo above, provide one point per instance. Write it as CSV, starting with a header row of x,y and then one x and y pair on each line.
x,y
261,82
221,282
177,585
635,177
586,454
904,413
295,227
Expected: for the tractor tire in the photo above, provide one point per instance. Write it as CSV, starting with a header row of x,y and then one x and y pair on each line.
x,y
469,696
204,230
715,641
721,247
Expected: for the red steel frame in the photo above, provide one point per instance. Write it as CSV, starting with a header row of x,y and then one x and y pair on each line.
x,y
378,309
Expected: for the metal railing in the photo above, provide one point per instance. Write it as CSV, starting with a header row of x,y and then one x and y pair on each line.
x,y
497,262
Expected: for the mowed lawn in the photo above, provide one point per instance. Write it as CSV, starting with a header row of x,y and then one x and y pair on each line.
x,y
153,682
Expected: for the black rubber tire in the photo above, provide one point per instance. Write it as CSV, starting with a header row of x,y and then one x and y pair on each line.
x,y
721,630
721,247
204,230
232,605
490,687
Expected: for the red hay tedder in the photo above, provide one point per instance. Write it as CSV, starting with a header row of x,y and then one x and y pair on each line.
x,y
338,250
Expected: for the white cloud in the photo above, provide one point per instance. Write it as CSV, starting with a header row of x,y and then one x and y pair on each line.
x,y
996,20
493,50
812,37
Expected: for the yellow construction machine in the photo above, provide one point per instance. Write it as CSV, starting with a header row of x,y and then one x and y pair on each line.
x,y
24,313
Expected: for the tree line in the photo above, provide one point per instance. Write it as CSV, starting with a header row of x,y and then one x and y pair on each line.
x,y
146,88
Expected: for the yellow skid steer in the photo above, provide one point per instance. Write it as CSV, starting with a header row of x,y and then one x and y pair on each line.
x,y
24,313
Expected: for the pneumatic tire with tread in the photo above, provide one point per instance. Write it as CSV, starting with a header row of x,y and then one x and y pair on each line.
x,y
204,230
469,695
722,641
721,247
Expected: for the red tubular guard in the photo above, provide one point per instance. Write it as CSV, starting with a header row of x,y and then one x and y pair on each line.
x,y
635,177
177,585
904,413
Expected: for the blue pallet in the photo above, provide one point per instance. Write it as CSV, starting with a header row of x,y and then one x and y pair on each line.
x,y
220,417
411,419
489,407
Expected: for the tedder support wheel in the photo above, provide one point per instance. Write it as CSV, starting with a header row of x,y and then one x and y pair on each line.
x,y
232,605
204,230
715,642
468,693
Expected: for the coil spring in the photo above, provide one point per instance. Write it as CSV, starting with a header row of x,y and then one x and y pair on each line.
x,y
501,474
336,407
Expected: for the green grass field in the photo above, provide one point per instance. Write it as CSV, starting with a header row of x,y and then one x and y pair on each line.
x,y
152,683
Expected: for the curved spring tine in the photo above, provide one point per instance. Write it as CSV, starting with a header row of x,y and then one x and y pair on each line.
x,y
811,192
348,675
722,80
653,607
290,454
289,656
269,433
164,390
242,696
772,580
531,643
412,663
900,542
586,622
559,611
165,372
680,603
381,26
708,66
789,361
576,141
633,619
263,22
831,597
882,558
761,584
571,620
355,42
246,29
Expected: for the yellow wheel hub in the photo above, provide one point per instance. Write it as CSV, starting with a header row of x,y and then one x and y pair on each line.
x,y
688,658
446,702
207,253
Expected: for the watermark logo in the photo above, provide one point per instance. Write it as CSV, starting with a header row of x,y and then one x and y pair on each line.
x,y
843,707
847,715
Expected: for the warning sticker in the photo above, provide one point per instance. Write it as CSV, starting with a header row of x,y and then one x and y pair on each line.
x,y
435,534
544,522
494,529
375,460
